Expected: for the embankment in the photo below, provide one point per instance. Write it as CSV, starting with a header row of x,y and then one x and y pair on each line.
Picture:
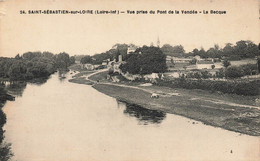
x,y
230,117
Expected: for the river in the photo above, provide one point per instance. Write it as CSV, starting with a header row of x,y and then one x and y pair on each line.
x,y
63,121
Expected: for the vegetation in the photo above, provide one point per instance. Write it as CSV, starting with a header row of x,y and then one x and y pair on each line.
x,y
236,87
241,50
176,51
86,60
231,117
230,72
145,60
226,63
5,149
33,65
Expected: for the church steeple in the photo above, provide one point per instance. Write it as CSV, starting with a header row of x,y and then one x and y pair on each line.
x,y
158,42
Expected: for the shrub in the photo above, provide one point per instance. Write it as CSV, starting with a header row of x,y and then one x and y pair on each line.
x,y
234,72
235,87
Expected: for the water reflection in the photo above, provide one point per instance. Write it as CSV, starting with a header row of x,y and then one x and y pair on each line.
x,y
62,75
144,116
39,81
16,88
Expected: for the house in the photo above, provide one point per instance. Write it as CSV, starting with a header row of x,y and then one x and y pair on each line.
x,y
87,66
204,64
181,60
105,62
197,57
151,76
131,77
131,48
169,61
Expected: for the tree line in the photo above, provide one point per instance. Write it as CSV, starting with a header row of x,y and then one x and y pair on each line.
x,y
32,65
240,50
111,54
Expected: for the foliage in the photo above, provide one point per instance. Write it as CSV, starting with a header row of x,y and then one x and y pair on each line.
x,y
240,71
220,73
63,60
33,65
72,60
145,60
226,63
234,72
5,149
258,63
133,64
241,50
176,51
86,60
111,54
193,61
235,87
5,152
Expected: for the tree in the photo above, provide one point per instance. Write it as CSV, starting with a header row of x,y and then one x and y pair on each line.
x,y
228,50
17,71
195,52
31,55
151,60
98,58
176,51
205,74
226,63
133,64
258,64
213,66
63,60
234,72
18,56
72,60
86,60
220,73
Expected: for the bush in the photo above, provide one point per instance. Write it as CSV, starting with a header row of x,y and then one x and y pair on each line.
x,y
249,69
5,152
235,87
234,72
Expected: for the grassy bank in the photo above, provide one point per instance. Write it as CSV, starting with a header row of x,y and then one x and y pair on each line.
x,y
80,78
229,111
231,117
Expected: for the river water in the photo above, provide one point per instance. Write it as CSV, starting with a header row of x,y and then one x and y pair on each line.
x,y
63,121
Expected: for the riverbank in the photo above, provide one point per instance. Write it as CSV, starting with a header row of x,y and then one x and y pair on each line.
x,y
5,148
231,112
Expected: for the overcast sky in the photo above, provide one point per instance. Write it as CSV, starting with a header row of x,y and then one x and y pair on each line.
x,y
90,34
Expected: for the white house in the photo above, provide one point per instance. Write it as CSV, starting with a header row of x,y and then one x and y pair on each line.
x,y
131,48
180,60
87,66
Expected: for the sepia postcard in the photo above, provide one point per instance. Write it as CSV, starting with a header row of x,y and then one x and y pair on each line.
x,y
121,80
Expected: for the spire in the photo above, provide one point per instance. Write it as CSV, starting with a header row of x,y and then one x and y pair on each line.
x,y
158,42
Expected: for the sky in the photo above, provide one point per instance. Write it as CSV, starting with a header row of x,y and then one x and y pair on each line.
x,y
91,34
